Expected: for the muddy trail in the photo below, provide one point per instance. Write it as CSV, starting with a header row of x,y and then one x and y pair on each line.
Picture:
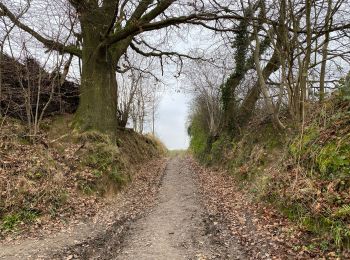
x,y
175,226
182,212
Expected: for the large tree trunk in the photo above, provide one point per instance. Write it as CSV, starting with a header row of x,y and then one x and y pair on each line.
x,y
98,99
99,92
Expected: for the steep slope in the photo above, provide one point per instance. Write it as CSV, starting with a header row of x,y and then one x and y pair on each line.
x,y
304,174
61,174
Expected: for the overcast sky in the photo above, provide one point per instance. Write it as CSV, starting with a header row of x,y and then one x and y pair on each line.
x,y
171,119
172,114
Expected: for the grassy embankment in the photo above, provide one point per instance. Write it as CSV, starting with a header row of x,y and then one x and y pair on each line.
x,y
305,174
64,173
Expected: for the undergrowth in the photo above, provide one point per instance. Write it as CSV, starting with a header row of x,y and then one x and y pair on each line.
x,y
305,174
11,221
64,172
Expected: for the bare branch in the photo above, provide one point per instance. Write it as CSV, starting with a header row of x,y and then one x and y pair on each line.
x,y
50,44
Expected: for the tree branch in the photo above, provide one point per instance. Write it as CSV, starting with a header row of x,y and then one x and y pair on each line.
x,y
53,45
135,28
158,53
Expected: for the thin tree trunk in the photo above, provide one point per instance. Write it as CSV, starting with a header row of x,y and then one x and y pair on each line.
x,y
247,108
305,64
261,79
325,52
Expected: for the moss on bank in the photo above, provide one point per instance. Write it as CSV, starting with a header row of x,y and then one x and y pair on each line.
x,y
63,170
306,174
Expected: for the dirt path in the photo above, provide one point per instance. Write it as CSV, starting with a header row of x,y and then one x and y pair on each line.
x,y
175,228
81,240
175,210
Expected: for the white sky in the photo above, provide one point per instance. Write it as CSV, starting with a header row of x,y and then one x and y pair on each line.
x,y
172,113
171,120
170,124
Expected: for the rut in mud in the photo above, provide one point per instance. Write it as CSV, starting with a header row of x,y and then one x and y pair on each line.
x,y
173,210
175,228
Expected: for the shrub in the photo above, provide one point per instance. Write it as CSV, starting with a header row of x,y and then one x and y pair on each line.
x,y
10,221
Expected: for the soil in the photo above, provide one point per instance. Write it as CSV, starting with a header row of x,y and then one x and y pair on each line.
x,y
176,228
178,211
78,237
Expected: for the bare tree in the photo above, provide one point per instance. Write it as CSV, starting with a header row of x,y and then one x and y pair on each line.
x,y
106,30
